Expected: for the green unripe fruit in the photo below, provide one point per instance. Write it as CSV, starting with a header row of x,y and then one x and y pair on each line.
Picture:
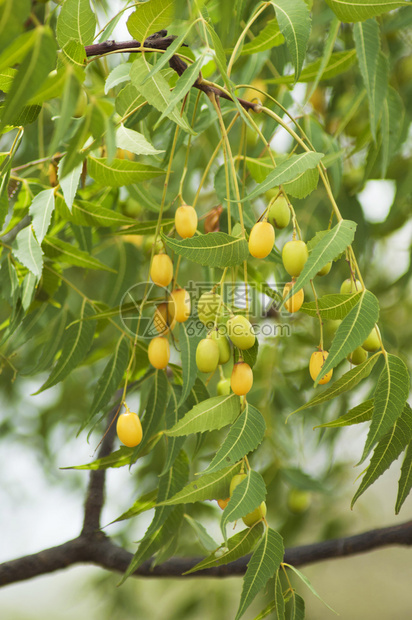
x,y
279,213
256,515
81,105
240,332
349,286
358,356
331,327
294,256
235,481
299,501
372,342
208,307
325,269
223,344
261,240
223,387
207,355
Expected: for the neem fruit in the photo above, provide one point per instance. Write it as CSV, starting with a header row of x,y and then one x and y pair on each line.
x,y
241,380
129,429
159,352
207,355
186,221
294,303
261,239
240,332
294,256
317,360
161,270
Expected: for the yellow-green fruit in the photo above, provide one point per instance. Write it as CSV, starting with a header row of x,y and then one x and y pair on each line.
x,y
240,332
317,360
129,429
162,320
331,327
261,240
223,344
358,356
372,342
256,515
294,256
279,213
161,270
241,380
186,221
81,105
294,303
207,307
207,355
299,501
325,269
148,244
237,479
222,503
223,387
349,286
159,352
179,305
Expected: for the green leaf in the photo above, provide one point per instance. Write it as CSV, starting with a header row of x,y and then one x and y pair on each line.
x,y
338,63
41,210
52,346
293,168
67,253
188,345
299,188
134,142
76,21
205,540
86,213
379,91
17,50
270,36
216,249
334,306
309,585
70,183
352,332
119,458
120,172
298,607
244,436
208,415
295,24
344,383
31,74
128,100
387,450
69,100
234,548
150,17
182,86
393,114
359,10
390,397
246,497
331,245
360,413
12,17
156,91
110,378
405,481
263,564
10,289
326,56
155,409
76,343
27,251
118,75
279,600
142,504
209,486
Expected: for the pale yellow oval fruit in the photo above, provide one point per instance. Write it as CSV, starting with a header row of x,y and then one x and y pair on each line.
x,y
222,503
240,332
279,213
162,320
129,429
223,387
237,479
223,344
294,303
161,270
372,342
208,307
241,380
349,286
179,305
261,239
317,360
207,355
256,515
325,269
358,356
294,256
159,352
186,221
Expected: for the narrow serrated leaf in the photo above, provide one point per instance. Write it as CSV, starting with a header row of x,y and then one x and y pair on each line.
x,y
356,415
41,210
205,540
334,306
56,248
405,481
188,345
142,504
246,497
309,585
155,409
208,415
120,172
135,142
215,249
28,251
69,183
359,10
295,24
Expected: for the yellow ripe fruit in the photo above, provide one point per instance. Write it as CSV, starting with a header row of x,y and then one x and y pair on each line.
x,y
222,503
372,342
294,303
240,332
358,356
317,360
261,240
162,320
179,305
349,286
207,355
186,221
325,269
223,387
161,270
223,344
159,352
237,479
129,429
241,380
207,307
256,515
294,256
251,94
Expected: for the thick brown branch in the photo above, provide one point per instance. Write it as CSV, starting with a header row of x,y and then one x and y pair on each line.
x,y
96,548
